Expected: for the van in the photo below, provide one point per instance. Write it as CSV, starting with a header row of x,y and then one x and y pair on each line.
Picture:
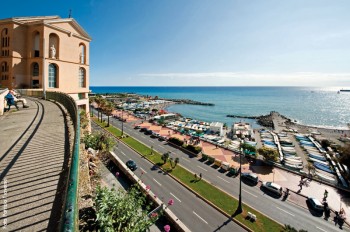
x,y
225,166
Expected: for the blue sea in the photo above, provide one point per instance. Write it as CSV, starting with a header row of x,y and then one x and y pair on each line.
x,y
322,107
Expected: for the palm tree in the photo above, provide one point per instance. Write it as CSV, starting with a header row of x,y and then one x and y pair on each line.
x,y
91,100
177,160
310,167
103,103
108,109
165,157
98,100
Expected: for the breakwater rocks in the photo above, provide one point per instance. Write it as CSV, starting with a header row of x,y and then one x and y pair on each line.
x,y
263,120
190,102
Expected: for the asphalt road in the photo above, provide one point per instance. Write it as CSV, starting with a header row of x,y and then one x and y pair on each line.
x,y
196,214
284,212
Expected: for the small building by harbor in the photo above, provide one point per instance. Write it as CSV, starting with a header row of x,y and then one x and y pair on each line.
x,y
242,130
217,127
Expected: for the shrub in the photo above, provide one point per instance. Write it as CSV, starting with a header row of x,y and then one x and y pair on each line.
x,y
194,149
176,141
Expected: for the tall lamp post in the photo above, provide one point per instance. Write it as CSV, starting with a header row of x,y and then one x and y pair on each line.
x,y
239,209
122,123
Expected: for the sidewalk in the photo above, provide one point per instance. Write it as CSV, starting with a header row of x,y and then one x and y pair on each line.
x,y
33,163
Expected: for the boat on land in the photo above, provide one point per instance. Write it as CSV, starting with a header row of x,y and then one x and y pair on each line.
x,y
327,178
344,90
319,161
323,167
293,166
318,157
292,161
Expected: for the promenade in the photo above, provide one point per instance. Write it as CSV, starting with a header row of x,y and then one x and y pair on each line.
x,y
34,142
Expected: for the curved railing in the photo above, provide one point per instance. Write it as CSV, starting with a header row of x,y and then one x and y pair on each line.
x,y
70,212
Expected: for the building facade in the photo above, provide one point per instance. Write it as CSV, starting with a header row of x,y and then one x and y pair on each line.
x,y
48,53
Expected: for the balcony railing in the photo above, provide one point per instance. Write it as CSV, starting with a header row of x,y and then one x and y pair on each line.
x,y
70,213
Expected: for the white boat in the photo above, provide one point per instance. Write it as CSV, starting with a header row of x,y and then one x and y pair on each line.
x,y
293,161
294,166
294,157
319,161
327,178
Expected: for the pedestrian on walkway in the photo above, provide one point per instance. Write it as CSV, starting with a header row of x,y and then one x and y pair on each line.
x,y
325,195
200,176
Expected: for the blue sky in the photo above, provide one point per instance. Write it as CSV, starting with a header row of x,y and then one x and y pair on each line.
x,y
209,42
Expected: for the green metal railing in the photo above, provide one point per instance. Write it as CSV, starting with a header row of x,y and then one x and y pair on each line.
x,y
70,214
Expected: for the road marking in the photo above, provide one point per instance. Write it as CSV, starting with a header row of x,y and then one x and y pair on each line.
x,y
185,159
202,168
151,141
249,193
157,182
223,179
122,153
175,197
285,211
320,229
162,146
143,170
143,136
200,217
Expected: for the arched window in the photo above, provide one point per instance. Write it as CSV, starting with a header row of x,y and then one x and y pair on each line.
x,y
35,71
4,71
52,76
36,44
82,53
81,78
5,42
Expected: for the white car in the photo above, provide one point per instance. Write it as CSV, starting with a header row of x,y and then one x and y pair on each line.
x,y
273,187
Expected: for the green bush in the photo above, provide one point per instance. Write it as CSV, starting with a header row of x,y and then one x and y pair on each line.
x,y
204,156
194,149
176,141
211,159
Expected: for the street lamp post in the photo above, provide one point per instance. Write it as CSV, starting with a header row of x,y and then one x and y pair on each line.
x,y
239,209
122,124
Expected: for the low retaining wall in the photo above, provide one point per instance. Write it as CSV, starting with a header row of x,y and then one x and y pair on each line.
x,y
3,93
131,175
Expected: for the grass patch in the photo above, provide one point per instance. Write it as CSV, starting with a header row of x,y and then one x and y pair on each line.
x,y
219,198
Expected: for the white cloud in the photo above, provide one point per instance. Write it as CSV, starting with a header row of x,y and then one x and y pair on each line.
x,y
248,79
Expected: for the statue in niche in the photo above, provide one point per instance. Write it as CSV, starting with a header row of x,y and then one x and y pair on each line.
x,y
53,52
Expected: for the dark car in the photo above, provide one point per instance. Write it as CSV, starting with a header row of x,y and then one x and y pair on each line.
x,y
149,132
250,177
131,164
315,204
143,129
137,127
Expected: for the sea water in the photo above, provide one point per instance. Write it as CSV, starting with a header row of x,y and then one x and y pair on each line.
x,y
322,107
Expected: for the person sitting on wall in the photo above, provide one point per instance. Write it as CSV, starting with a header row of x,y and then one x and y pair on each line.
x,y
10,99
18,99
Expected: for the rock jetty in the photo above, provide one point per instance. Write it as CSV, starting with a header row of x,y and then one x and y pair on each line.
x,y
263,120
190,102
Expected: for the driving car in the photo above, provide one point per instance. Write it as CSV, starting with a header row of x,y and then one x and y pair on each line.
x,y
272,187
250,177
315,204
131,165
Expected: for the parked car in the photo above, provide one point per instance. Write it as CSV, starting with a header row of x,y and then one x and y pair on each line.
x,y
143,129
131,165
137,127
315,204
272,187
250,177
148,132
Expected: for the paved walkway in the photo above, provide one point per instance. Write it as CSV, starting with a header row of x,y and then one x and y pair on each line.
x,y
32,160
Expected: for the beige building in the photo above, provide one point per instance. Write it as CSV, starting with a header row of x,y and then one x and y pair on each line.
x,y
48,53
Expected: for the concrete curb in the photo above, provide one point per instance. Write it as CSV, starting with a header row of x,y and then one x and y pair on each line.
x,y
198,195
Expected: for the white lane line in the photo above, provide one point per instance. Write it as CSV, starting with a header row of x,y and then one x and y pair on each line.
x,y
157,182
186,160
151,141
122,153
223,179
143,136
143,170
249,193
320,229
162,146
175,197
202,168
285,211
200,217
